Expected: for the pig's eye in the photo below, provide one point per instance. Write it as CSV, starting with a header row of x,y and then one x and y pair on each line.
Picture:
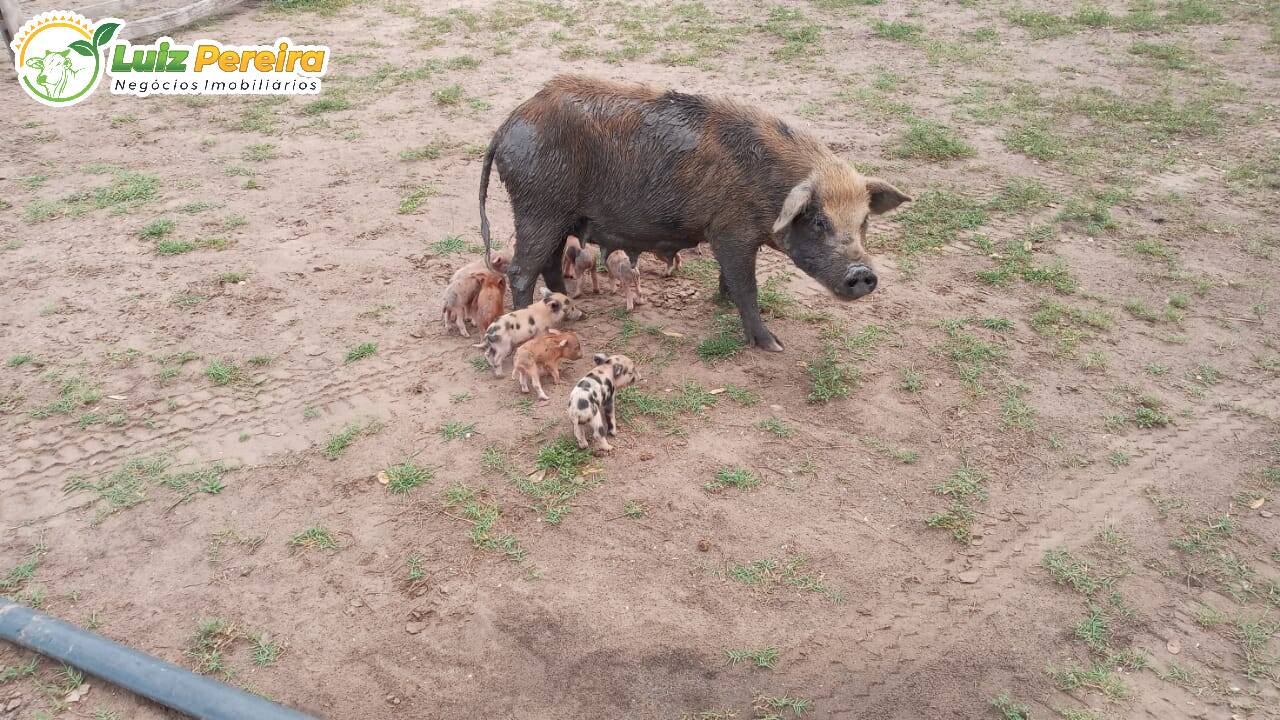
x,y
864,223
820,225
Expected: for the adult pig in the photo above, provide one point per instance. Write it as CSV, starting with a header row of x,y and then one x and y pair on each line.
x,y
649,169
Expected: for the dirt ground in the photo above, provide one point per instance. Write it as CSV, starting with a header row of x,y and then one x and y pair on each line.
x,y
1033,475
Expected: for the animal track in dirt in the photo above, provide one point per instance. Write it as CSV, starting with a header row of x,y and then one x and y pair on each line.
x,y
921,628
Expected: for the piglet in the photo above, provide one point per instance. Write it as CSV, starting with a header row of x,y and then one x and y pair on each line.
x,y
592,406
671,258
577,262
626,278
510,331
544,353
464,286
489,303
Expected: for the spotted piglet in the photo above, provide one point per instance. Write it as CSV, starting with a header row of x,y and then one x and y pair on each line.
x,y
508,332
626,278
591,402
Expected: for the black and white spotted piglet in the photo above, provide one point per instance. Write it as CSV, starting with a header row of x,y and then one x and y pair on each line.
x,y
591,403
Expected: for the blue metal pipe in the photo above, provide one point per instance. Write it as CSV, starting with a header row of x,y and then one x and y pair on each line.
x,y
174,687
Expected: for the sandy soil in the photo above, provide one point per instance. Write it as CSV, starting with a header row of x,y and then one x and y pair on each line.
x,y
1164,508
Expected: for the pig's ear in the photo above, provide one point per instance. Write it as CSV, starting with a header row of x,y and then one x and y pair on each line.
x,y
546,294
599,358
884,197
797,200
564,342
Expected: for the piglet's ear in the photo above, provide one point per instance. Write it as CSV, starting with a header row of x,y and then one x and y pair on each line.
x,y
619,369
564,342
599,358
546,294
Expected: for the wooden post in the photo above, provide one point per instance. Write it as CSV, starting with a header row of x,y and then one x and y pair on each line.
x,y
166,21
109,8
11,20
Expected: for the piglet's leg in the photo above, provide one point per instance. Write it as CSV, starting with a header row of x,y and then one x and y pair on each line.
x,y
537,385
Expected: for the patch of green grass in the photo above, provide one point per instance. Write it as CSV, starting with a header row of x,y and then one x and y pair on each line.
x,y
964,483
1118,458
18,575
766,657
1098,677
1173,57
20,359
127,486
634,510
938,217
777,707
198,206
896,30
186,300
360,352
736,477
406,476
264,650
906,456
170,246
831,378
1039,24
457,430
448,95
1152,248
957,519
73,393
315,537
1067,569
772,299
349,433
724,343
1015,412
1009,708
330,103
777,427
1094,629
791,571
17,672
415,198
928,140
416,570
743,396
260,152
483,516
1149,413
1019,194
431,151
223,372
449,245
157,228
802,39
970,355
1067,325
912,380
563,474
1035,140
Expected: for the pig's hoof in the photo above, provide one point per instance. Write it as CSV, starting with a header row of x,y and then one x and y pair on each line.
x,y
769,343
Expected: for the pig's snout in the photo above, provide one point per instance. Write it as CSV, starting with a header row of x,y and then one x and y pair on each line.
x,y
859,280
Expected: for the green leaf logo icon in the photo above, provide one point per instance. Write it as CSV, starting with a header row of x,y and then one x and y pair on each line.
x,y
103,34
82,47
